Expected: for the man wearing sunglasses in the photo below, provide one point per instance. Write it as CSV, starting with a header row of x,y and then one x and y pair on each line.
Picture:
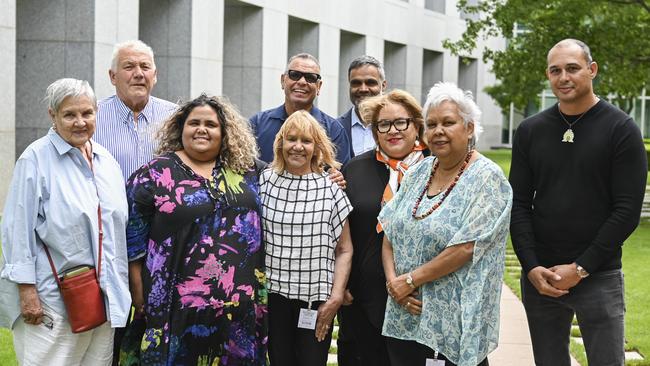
x,y
367,79
301,83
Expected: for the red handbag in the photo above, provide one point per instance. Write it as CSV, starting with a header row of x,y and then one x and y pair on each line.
x,y
82,296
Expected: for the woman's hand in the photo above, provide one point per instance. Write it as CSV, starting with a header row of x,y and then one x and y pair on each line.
x,y
135,287
412,304
30,304
326,313
398,289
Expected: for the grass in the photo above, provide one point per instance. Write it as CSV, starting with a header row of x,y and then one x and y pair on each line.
x,y
636,256
7,356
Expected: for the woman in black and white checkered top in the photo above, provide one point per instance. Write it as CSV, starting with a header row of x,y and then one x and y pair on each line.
x,y
307,239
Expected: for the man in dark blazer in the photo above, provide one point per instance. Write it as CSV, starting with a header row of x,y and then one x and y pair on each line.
x,y
366,78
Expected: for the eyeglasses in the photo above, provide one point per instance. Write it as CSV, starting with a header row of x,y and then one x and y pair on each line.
x,y
310,77
400,124
48,322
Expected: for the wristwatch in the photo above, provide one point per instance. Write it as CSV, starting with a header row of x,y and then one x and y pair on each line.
x,y
582,273
409,280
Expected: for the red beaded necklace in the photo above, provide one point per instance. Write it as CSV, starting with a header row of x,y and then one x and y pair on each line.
x,y
444,195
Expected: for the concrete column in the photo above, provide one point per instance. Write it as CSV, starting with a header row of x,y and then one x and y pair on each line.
x,y
329,69
8,95
242,56
352,45
274,55
414,70
166,26
54,39
115,21
207,47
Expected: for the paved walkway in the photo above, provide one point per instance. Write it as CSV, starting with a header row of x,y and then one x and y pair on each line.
x,y
514,340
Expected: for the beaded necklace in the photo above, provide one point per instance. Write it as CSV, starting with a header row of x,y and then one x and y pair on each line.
x,y
444,195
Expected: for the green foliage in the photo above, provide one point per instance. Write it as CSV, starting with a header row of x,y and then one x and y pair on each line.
x,y
616,30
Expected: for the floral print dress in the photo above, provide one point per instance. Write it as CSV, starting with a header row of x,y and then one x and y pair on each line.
x,y
203,273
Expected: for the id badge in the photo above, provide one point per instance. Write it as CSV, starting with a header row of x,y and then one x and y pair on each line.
x,y
434,362
307,319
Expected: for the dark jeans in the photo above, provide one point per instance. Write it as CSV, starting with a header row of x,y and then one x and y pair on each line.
x,y
412,353
599,305
363,343
288,344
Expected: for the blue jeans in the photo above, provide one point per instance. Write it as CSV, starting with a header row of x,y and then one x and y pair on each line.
x,y
599,305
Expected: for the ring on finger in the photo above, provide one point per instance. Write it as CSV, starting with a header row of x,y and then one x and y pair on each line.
x,y
408,303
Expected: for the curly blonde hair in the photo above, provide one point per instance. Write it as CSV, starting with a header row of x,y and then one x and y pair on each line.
x,y
306,125
238,145
370,107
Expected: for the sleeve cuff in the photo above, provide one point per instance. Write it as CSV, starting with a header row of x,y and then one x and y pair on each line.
x,y
24,273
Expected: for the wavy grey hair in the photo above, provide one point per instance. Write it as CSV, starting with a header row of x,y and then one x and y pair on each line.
x,y
467,107
68,87
134,44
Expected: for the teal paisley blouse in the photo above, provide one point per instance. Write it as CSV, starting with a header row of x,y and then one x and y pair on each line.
x,y
460,311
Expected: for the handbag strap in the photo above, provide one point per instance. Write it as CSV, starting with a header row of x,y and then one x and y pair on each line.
x,y
99,259
101,237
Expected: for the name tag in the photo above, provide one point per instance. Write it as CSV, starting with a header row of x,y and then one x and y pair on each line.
x,y
307,319
434,362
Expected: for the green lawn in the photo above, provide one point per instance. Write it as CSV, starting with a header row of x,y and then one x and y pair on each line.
x,y
636,256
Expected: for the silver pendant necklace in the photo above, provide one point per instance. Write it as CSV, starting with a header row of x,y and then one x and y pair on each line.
x,y
568,134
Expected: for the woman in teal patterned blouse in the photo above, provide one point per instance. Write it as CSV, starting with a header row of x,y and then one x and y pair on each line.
x,y
444,245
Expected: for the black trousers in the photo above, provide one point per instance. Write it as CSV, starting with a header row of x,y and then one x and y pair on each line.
x,y
363,343
288,344
409,353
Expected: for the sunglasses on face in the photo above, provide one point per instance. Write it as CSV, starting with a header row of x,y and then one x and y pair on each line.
x,y
400,124
310,77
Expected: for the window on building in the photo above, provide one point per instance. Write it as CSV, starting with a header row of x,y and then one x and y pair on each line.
x,y
432,67
435,5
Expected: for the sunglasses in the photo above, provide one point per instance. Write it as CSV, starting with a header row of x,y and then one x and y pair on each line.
x,y
310,77
400,124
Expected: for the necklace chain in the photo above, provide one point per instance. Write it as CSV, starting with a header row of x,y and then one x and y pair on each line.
x,y
444,195
565,120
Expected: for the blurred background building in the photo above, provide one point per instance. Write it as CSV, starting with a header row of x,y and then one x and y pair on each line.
x,y
235,48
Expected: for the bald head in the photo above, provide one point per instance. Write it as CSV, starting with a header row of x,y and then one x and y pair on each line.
x,y
570,42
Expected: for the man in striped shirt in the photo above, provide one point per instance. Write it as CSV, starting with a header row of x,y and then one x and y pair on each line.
x,y
128,121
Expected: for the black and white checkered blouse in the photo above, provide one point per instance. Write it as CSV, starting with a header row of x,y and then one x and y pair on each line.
x,y
302,219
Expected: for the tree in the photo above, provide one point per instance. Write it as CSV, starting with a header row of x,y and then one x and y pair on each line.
x,y
618,32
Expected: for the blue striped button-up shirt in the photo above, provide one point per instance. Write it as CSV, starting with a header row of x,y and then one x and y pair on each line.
x,y
53,201
130,144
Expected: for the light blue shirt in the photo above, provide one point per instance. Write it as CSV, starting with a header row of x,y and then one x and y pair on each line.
x,y
132,146
53,200
362,139
460,311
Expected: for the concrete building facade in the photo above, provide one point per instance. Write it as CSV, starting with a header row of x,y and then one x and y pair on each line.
x,y
237,48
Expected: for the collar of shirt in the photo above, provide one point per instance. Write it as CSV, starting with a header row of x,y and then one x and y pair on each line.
x,y
62,147
281,113
126,114
356,121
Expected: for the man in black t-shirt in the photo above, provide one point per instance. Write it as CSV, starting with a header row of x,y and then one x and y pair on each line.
x,y
578,175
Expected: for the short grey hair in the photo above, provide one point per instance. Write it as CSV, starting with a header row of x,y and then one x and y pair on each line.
x,y
134,44
467,107
367,60
303,55
67,87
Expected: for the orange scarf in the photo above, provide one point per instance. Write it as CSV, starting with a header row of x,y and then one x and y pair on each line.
x,y
396,169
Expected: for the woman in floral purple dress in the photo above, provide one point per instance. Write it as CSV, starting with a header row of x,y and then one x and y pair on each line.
x,y
194,243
